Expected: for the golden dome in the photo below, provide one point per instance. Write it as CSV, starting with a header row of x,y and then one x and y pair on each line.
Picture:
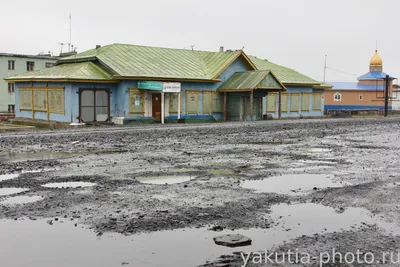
x,y
376,60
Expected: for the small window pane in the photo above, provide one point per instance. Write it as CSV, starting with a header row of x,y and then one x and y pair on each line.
x,y
192,101
271,102
217,102
136,102
207,98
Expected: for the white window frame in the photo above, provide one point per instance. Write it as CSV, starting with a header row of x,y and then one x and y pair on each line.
x,y
337,97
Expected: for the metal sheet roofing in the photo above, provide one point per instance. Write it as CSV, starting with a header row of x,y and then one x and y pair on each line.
x,y
374,75
155,62
285,75
247,81
77,71
356,86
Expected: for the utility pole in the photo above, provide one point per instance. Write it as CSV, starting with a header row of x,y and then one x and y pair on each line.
x,y
387,95
326,58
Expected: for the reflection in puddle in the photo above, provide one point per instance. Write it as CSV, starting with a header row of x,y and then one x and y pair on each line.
x,y
221,172
11,191
164,179
291,184
311,218
69,185
179,248
21,200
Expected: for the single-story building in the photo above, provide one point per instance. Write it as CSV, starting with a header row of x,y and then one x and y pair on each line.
x,y
120,83
366,94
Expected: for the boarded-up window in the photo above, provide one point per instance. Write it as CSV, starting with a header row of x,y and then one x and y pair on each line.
x,y
271,102
192,102
25,99
136,101
207,99
217,102
56,101
173,102
284,102
39,102
305,101
294,102
317,101
44,99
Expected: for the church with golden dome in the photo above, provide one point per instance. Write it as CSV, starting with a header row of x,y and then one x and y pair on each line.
x,y
366,94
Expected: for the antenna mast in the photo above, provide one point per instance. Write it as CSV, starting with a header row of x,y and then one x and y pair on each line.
x,y
70,32
325,67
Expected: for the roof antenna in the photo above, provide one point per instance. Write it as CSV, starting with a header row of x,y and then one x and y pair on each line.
x,y
70,32
376,48
242,48
192,46
325,67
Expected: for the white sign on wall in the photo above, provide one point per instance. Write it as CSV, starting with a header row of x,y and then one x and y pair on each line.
x,y
171,87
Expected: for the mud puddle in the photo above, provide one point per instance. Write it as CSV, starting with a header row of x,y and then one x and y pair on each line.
x,y
292,184
160,180
12,191
69,185
179,248
19,200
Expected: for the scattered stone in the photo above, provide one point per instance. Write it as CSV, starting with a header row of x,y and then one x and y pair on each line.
x,y
234,240
216,228
50,222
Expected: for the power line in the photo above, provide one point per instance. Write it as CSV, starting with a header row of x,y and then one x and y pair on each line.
x,y
344,72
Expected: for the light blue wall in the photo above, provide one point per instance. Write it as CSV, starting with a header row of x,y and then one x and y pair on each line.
x,y
71,100
311,113
353,107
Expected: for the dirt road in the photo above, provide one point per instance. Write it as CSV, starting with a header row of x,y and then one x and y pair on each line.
x,y
310,185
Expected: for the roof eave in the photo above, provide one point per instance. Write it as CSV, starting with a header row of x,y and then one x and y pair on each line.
x,y
166,79
55,80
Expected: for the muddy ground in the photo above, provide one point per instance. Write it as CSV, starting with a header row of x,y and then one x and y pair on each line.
x,y
359,154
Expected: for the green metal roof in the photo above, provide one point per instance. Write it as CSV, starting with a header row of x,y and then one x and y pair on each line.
x,y
246,81
285,75
155,62
76,71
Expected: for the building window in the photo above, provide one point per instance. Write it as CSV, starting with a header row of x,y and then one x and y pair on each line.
x,y
49,65
136,101
11,108
11,65
361,97
192,102
284,102
271,102
317,101
30,66
305,101
11,87
337,97
294,102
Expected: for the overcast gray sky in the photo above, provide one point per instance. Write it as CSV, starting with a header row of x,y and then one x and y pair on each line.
x,y
294,33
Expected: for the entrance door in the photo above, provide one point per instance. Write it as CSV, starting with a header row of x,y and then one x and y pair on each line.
x,y
94,105
156,104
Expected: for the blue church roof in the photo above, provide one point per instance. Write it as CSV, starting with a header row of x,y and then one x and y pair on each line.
x,y
374,75
356,86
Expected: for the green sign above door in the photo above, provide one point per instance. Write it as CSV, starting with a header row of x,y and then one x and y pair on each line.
x,y
149,85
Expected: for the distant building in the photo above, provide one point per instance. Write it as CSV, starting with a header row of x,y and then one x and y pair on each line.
x,y
124,83
368,93
13,64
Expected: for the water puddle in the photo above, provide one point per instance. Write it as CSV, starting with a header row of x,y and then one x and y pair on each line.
x,y
292,184
69,185
179,248
182,170
316,149
40,155
160,180
12,191
5,177
19,200
221,172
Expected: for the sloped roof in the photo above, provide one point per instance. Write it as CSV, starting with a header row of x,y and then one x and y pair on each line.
x,y
374,75
247,81
76,71
155,62
285,75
